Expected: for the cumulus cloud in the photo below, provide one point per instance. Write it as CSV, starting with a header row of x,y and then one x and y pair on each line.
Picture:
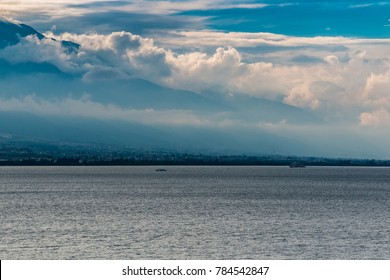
x,y
331,59
344,75
197,70
118,54
302,96
341,65
376,91
129,53
376,118
33,49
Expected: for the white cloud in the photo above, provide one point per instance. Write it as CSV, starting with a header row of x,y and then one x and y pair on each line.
x,y
86,108
376,92
243,39
331,59
376,118
130,54
62,8
365,5
301,96
361,5
198,71
34,50
349,77
51,8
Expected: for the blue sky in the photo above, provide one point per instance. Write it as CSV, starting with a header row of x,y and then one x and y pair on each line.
x,y
327,58
309,18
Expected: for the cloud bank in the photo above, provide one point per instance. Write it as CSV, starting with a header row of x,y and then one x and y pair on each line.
x,y
87,108
343,77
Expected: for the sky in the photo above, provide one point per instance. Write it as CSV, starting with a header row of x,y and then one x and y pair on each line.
x,y
327,58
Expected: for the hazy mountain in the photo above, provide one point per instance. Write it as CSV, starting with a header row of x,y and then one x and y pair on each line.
x,y
38,86
92,131
20,79
254,108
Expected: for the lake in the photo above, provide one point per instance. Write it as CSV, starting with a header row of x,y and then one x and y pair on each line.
x,y
195,213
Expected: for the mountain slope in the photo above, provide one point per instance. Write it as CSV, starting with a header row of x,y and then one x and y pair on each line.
x,y
268,110
40,97
46,81
87,131
10,32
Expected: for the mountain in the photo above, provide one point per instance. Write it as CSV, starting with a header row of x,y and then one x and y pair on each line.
x,y
24,78
12,31
87,131
34,89
264,110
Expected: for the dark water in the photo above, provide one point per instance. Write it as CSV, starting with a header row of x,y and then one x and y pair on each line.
x,y
194,213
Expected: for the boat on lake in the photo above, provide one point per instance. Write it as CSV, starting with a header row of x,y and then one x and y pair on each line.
x,y
161,170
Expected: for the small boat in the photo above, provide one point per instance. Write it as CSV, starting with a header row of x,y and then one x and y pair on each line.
x,y
161,170
296,164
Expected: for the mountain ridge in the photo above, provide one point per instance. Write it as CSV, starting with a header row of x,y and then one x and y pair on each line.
x,y
34,84
12,31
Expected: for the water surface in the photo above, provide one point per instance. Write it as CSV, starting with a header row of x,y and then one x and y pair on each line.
x,y
194,213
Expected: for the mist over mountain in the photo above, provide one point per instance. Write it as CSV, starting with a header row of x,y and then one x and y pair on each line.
x,y
131,92
105,90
